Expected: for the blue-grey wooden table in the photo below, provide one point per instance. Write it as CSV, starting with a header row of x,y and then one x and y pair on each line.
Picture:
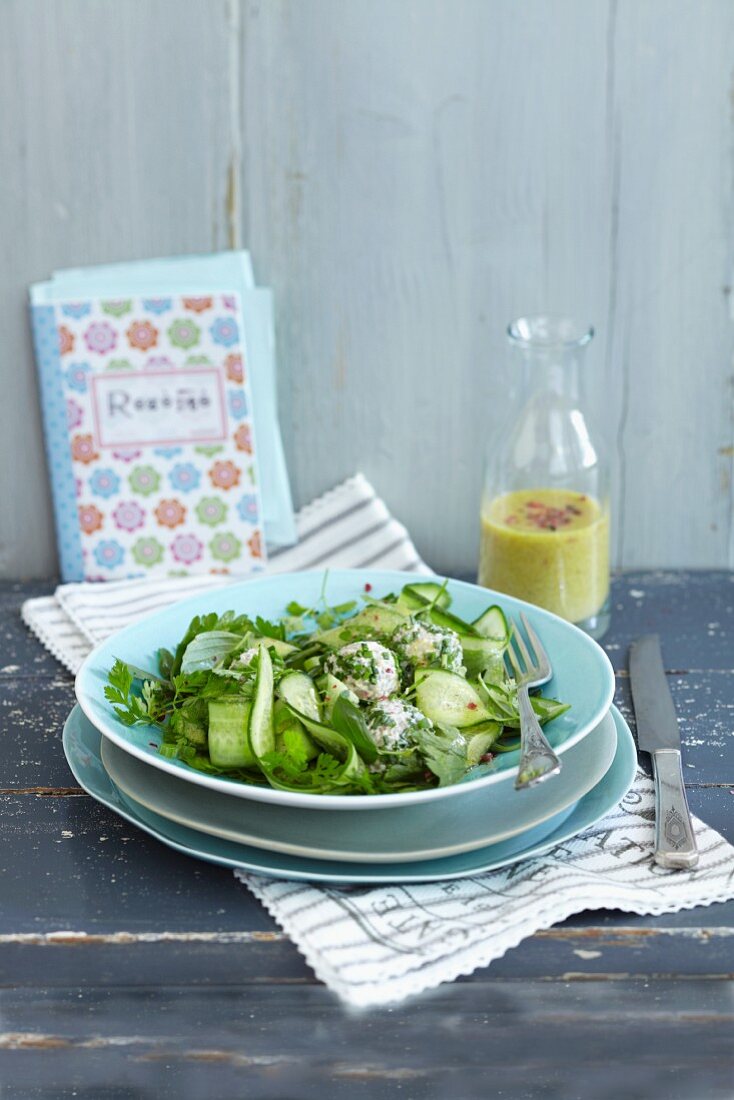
x,y
129,971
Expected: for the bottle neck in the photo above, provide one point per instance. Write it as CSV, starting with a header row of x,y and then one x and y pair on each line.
x,y
551,350
554,372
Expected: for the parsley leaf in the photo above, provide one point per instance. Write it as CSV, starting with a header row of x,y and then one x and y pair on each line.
x,y
128,707
269,629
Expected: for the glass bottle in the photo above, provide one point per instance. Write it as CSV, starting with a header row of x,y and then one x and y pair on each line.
x,y
545,504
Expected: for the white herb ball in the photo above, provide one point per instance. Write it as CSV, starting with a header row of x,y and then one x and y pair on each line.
x,y
366,668
420,644
391,723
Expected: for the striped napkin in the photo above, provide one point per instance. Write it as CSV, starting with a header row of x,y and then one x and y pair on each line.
x,y
348,527
377,945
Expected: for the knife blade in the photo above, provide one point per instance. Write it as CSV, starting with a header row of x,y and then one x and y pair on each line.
x,y
657,722
658,734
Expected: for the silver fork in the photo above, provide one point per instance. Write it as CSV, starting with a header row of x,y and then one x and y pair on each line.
x,y
531,668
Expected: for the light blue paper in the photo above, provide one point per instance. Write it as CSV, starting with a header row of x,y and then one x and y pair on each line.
x,y
196,275
46,340
186,274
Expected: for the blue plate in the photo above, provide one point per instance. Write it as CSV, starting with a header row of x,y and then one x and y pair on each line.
x,y
402,834
582,674
82,747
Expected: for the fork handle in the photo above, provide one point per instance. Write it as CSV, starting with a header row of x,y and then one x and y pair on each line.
x,y
537,759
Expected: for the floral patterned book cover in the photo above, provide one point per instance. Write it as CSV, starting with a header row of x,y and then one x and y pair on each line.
x,y
152,452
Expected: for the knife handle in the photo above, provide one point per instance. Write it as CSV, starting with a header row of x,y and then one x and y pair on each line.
x,y
675,843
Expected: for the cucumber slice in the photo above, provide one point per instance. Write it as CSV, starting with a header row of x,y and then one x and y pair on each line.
x,y
333,688
440,617
480,742
260,727
481,654
290,734
283,649
493,624
506,746
414,602
298,691
491,727
448,699
417,595
373,621
228,743
494,672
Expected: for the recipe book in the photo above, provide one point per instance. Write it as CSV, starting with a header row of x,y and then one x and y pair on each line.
x,y
160,418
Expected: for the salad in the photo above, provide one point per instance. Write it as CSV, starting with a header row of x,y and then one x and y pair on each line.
x,y
397,694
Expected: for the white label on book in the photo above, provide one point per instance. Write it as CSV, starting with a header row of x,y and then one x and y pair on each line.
x,y
133,408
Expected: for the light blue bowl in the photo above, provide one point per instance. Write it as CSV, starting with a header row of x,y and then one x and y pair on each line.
x,y
582,674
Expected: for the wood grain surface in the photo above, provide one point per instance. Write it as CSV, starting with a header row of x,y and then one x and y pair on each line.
x,y
409,174
128,971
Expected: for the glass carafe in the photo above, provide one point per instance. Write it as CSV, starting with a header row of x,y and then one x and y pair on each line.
x,y
545,504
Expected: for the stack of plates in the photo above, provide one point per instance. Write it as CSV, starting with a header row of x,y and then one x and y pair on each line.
x,y
449,832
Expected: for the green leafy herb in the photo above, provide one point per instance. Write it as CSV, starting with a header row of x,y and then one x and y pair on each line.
x,y
324,773
207,648
501,702
444,751
165,662
128,707
191,722
295,747
142,673
347,719
270,630
198,625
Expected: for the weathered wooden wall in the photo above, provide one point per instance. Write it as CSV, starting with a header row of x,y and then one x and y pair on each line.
x,y
409,175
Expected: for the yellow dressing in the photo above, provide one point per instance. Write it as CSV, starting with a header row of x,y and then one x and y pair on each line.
x,y
547,546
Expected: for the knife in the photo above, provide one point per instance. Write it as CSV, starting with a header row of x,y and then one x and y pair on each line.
x,y
658,734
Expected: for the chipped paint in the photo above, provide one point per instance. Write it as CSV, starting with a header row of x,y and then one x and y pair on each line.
x,y
584,976
604,935
626,933
33,1040
645,980
30,1040
47,792
371,1073
69,938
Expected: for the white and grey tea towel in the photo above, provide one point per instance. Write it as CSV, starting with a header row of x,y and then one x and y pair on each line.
x,y
377,945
